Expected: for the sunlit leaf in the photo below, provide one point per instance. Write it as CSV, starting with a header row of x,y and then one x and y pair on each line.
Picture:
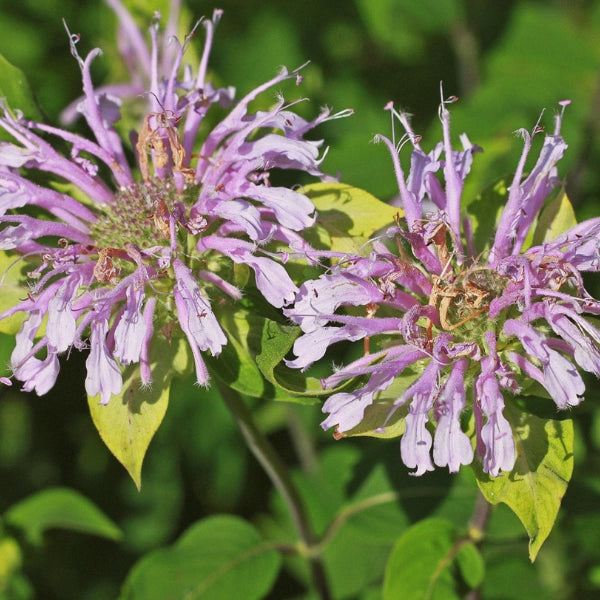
x,y
219,558
536,486
12,291
555,219
129,421
347,216
60,508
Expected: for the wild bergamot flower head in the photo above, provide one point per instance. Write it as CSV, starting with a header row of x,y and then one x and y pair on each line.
x,y
465,327
118,248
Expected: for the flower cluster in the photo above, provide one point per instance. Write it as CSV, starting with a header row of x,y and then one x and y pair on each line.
x,y
465,326
112,249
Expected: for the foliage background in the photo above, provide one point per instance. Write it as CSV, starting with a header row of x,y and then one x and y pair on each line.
x,y
506,61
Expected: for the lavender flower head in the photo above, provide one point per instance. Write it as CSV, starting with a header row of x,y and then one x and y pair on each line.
x,y
114,252
467,327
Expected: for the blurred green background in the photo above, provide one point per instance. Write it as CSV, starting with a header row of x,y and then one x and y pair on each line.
x,y
506,61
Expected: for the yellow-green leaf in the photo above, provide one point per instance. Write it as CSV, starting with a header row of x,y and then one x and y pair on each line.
x,y
12,291
535,487
347,216
129,421
555,219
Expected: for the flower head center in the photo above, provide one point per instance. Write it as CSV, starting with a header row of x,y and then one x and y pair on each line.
x,y
140,214
462,297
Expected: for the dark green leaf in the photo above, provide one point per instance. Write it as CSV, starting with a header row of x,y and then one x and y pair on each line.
x,y
276,341
219,558
236,365
60,508
421,564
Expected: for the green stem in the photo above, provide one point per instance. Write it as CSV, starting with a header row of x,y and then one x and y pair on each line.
x,y
278,473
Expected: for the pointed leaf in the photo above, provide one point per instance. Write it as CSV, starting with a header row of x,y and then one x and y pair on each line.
x,y
556,218
60,508
347,216
219,558
422,563
535,487
129,421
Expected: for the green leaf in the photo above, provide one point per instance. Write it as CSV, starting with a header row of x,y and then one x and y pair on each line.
x,y
60,508
129,421
535,487
485,212
347,216
276,341
471,565
236,365
11,560
15,89
555,219
12,291
400,25
421,564
219,558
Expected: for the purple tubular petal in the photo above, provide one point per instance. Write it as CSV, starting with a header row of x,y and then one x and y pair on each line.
x,y
451,446
525,199
496,434
291,209
145,371
561,379
271,278
346,410
61,321
317,299
415,445
130,331
103,373
197,319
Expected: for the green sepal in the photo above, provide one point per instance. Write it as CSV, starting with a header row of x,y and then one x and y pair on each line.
x,y
129,421
534,489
